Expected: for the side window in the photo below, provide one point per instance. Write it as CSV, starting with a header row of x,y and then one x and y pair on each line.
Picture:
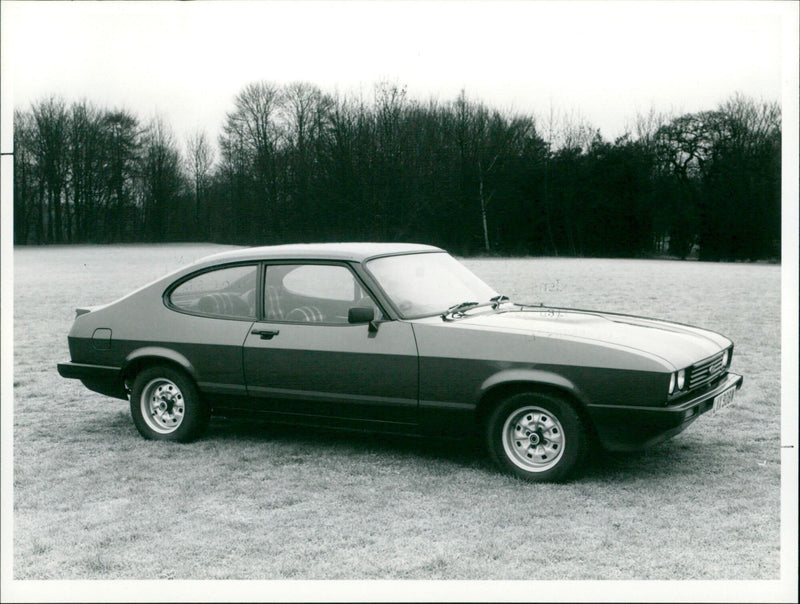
x,y
312,293
321,281
226,292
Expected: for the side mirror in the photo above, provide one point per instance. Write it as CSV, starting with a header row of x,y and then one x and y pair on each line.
x,y
361,314
364,314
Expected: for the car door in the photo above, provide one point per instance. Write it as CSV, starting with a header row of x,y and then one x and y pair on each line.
x,y
305,359
210,313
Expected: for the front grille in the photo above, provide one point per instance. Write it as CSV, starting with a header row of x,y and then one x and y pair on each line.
x,y
706,371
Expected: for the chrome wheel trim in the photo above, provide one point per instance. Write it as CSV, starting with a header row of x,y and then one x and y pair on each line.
x,y
533,439
162,405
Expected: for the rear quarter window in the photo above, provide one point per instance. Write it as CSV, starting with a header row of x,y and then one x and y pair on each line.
x,y
227,292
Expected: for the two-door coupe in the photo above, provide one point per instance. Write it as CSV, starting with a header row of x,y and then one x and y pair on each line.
x,y
399,338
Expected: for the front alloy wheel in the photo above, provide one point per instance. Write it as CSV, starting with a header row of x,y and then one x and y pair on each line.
x,y
165,405
537,437
533,439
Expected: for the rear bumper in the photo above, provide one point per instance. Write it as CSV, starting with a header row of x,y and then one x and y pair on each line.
x,y
81,371
98,378
625,428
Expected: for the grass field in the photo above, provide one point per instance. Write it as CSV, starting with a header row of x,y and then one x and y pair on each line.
x,y
92,500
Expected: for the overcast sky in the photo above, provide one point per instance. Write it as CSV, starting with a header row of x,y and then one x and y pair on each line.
x,y
602,61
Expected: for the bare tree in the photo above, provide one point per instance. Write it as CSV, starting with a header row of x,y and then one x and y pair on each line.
x,y
50,148
200,159
161,179
574,131
305,122
390,104
751,125
249,145
27,192
123,144
487,141
86,160
646,126
551,133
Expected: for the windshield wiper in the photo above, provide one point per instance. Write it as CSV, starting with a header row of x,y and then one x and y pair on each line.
x,y
498,300
457,309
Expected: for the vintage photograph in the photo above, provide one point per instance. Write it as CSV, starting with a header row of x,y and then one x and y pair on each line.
x,y
357,301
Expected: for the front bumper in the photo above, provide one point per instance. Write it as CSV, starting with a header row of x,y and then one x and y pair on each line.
x,y
98,378
626,428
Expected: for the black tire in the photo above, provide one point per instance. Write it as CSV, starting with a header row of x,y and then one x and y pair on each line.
x,y
165,405
537,437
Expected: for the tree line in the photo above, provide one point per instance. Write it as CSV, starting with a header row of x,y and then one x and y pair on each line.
x,y
293,163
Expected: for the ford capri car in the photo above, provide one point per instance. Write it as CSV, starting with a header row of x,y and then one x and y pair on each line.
x,y
394,338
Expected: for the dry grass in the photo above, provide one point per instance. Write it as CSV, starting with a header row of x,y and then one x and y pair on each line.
x,y
92,500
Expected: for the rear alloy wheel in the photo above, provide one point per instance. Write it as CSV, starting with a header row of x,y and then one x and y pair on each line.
x,y
537,437
165,405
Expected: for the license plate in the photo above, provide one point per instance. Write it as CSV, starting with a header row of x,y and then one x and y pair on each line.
x,y
722,400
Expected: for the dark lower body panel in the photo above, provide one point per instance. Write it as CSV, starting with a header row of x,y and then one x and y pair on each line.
x,y
626,428
232,401
322,422
97,378
619,427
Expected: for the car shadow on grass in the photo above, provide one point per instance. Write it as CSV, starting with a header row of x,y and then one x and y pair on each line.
x,y
666,460
663,461
465,453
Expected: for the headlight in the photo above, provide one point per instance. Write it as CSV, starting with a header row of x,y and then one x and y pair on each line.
x,y
726,357
671,383
681,379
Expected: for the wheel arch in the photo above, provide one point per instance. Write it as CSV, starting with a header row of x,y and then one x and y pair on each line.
x,y
505,384
156,355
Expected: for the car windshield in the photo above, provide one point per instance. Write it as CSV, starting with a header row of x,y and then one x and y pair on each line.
x,y
428,283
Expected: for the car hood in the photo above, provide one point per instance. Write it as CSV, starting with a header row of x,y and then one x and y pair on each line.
x,y
681,345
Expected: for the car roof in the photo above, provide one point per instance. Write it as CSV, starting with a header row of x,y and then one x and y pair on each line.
x,y
355,252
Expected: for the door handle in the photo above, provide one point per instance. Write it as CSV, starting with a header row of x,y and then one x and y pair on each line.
x,y
266,334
